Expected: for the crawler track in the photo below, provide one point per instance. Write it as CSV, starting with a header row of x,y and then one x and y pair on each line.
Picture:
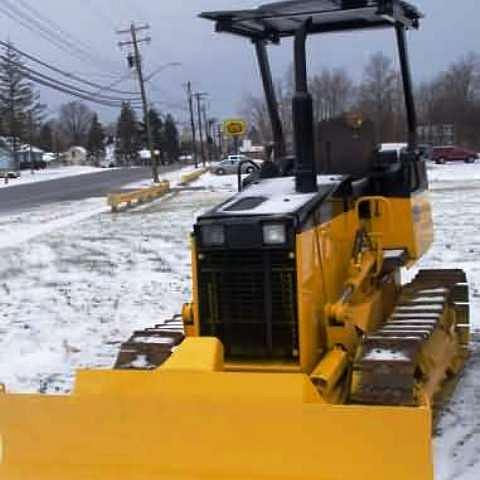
x,y
148,349
396,361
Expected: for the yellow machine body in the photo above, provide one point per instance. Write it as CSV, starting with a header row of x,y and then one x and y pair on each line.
x,y
282,365
190,420
199,417
323,259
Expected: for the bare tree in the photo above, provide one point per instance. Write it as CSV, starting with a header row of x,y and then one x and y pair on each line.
x,y
333,91
378,95
255,112
453,98
75,120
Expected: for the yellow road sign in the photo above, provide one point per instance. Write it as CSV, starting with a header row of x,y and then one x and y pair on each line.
x,y
235,127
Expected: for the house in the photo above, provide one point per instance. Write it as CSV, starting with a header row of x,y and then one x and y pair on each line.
x,y
26,154
75,156
7,164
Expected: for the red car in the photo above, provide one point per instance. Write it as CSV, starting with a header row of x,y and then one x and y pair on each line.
x,y
452,153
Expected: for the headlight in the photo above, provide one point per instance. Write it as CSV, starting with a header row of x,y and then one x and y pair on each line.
x,y
274,234
213,235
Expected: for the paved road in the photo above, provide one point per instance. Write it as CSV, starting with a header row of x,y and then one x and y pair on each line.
x,y
79,187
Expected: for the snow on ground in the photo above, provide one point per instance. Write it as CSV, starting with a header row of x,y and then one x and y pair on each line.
x,y
48,174
74,288
456,201
23,226
453,172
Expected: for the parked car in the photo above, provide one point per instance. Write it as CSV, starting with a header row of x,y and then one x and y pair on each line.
x,y
107,163
453,153
231,163
9,173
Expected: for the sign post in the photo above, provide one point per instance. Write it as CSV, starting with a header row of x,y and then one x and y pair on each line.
x,y
235,128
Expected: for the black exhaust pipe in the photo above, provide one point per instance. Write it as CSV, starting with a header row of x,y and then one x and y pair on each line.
x,y
306,172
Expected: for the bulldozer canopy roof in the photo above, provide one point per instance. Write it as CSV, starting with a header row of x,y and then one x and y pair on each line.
x,y
282,19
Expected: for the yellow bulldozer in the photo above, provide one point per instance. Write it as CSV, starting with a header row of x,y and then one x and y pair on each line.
x,y
302,355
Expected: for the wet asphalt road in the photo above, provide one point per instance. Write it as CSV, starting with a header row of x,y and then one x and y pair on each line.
x,y
88,185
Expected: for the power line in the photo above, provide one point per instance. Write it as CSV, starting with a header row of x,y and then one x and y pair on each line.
x,y
28,26
115,83
87,98
59,82
54,38
160,69
56,26
63,72
66,85
58,39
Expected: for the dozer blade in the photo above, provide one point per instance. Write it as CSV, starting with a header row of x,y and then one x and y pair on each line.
x,y
176,423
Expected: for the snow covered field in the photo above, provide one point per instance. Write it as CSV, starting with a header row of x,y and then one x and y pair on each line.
x,y
456,200
75,281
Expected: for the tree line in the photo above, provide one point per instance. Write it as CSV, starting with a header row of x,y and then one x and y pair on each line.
x,y
24,119
451,98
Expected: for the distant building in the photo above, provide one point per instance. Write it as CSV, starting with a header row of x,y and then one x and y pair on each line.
x,y
27,154
437,134
252,151
75,156
7,165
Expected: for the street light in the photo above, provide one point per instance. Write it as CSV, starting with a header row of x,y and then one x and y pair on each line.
x,y
161,68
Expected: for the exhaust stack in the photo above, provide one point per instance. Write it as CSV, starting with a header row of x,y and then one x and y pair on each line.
x,y
302,108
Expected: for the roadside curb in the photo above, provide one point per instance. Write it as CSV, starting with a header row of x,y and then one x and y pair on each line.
x,y
192,176
124,200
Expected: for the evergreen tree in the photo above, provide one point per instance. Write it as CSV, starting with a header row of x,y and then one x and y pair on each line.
x,y
96,138
158,134
128,140
157,129
172,146
20,105
45,137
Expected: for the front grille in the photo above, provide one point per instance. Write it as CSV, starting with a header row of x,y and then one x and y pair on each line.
x,y
248,301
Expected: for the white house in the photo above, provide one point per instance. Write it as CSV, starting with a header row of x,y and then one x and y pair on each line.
x,y
75,156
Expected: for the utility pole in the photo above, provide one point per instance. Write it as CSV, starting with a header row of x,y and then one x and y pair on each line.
x,y
220,140
30,141
13,133
136,61
213,137
199,96
207,131
192,123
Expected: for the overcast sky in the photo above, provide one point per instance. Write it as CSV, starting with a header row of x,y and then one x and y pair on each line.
x,y
221,65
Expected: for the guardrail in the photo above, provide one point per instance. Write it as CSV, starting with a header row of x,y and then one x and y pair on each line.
x,y
192,176
123,200
127,199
